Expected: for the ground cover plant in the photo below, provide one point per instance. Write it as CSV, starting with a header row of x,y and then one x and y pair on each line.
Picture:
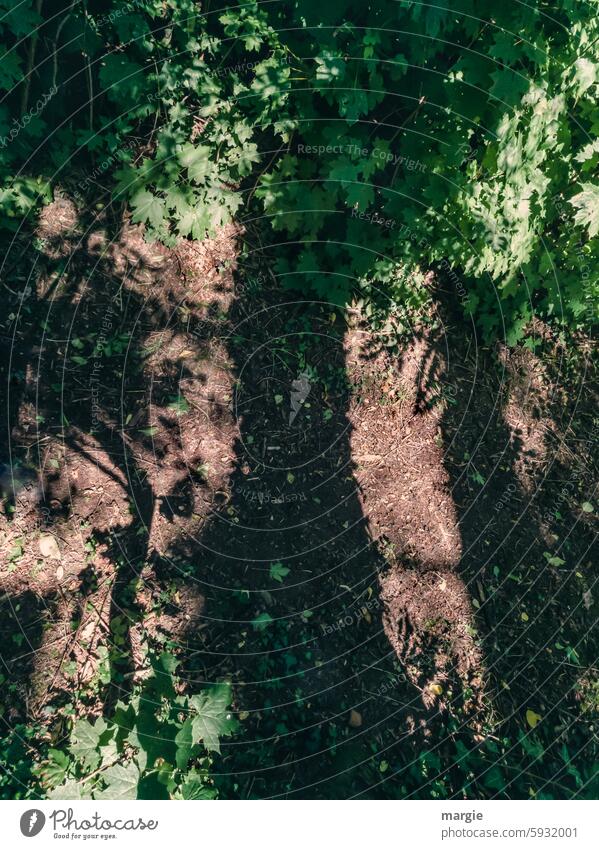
x,y
298,469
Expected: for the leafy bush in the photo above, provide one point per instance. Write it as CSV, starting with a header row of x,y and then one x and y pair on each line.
x,y
159,746
474,144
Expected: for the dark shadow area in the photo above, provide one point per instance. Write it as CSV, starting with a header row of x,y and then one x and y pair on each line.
x,y
254,480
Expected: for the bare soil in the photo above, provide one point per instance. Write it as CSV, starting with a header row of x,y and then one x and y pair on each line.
x,y
426,500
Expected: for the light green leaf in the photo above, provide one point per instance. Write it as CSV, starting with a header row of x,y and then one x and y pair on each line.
x,y
148,208
212,719
197,161
586,204
85,743
121,782
278,572
67,792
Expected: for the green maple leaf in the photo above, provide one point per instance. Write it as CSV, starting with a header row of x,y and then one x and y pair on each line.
x,y
508,86
504,47
212,719
361,194
252,42
127,179
194,788
177,200
246,158
10,70
121,782
343,170
271,82
86,739
68,791
329,67
586,204
148,208
242,131
353,105
194,221
184,743
197,161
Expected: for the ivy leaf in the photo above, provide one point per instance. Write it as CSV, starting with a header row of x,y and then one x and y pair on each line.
x,y
212,719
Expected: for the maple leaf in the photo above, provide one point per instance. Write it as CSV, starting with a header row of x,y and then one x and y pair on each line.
x,y
148,208
197,161
586,204
212,719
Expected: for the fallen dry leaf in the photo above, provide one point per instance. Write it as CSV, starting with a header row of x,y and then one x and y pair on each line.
x,y
355,719
49,547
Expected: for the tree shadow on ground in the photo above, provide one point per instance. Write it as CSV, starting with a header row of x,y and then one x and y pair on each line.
x,y
309,514
312,551
89,412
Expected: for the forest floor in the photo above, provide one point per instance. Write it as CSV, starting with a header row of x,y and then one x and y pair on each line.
x,y
388,550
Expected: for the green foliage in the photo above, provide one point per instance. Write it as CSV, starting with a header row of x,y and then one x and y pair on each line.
x,y
486,171
17,780
158,746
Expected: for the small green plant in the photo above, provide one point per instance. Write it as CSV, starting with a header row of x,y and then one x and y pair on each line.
x,y
158,746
